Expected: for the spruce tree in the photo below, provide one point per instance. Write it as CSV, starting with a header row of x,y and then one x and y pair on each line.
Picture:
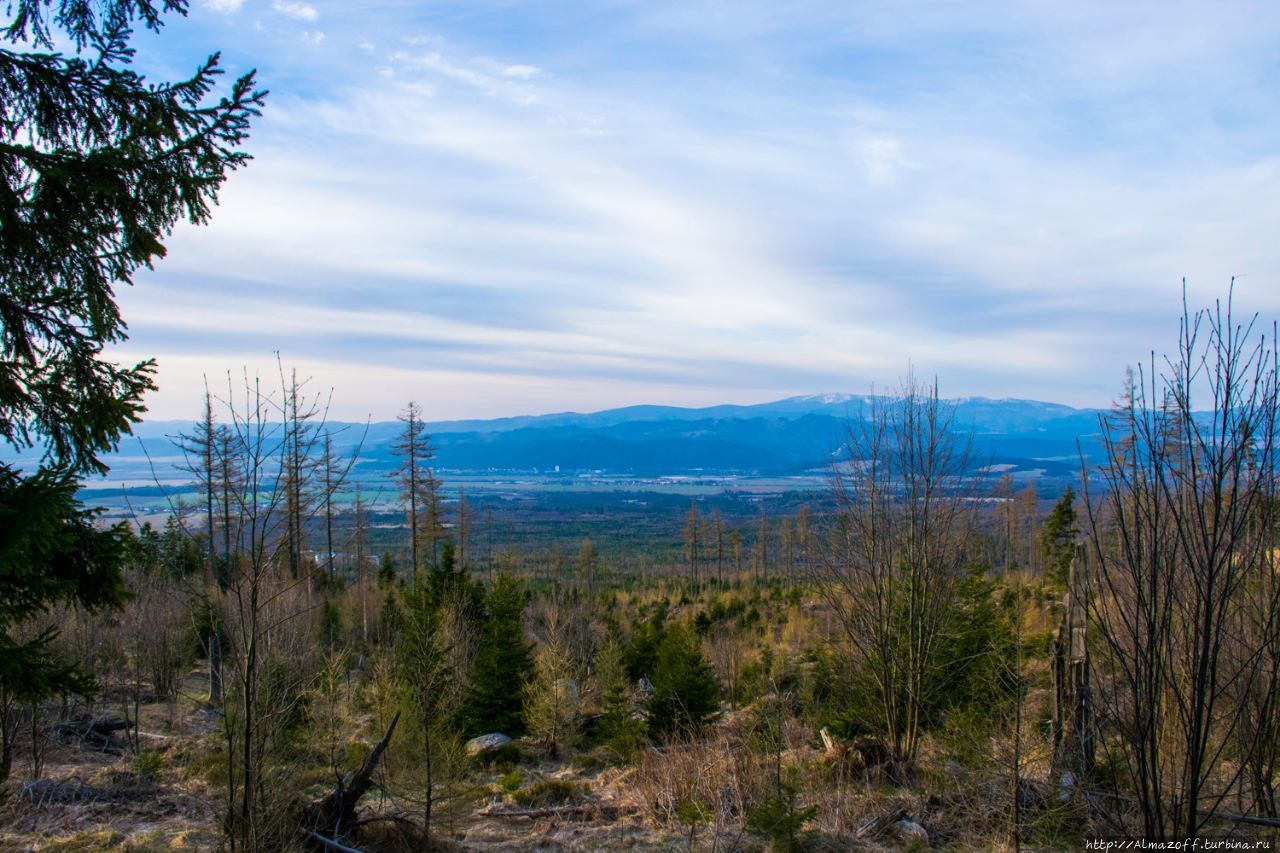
x,y
685,690
692,546
503,663
98,166
448,581
1058,539
619,729
50,553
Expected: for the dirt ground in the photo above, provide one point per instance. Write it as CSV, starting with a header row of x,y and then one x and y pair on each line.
x,y
88,800
168,798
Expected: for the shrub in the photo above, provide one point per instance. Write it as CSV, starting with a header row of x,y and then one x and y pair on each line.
x,y
506,756
147,765
511,782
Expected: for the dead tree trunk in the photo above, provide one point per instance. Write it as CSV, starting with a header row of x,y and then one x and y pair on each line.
x,y
1073,742
336,811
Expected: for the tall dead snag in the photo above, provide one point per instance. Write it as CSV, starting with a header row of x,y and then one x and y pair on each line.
x,y
256,443
692,546
419,487
1073,738
1182,518
298,466
333,470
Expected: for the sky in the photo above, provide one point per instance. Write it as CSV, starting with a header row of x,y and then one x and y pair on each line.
x,y
500,208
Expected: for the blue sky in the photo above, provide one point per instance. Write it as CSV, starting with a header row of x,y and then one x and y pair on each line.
x,y
499,207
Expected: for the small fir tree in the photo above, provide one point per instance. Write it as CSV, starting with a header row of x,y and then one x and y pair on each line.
x,y
503,664
685,692
1058,540
424,674
620,729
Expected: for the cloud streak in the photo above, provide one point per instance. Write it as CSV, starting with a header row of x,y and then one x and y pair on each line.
x,y
704,203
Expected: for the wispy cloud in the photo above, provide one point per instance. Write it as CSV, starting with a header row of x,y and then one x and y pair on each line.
x,y
523,72
224,7
299,11
691,202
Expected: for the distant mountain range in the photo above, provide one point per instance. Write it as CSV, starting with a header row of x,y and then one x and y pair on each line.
x,y
1024,437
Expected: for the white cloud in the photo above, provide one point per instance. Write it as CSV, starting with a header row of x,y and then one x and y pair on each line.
x,y
522,72
224,7
297,10
882,158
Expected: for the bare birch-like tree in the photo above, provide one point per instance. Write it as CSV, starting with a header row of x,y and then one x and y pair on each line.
x,y
896,553
1181,523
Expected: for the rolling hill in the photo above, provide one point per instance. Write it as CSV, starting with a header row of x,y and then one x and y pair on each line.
x,y
798,434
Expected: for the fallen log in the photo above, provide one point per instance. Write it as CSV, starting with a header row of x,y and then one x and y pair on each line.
x,y
1246,818
45,791
98,733
880,822
578,810
334,813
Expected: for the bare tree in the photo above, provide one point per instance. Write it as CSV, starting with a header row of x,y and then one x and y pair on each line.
x,y
762,547
262,609
298,440
1258,737
735,539
718,531
804,537
200,451
692,546
1184,606
433,530
334,469
787,540
359,541
227,485
897,552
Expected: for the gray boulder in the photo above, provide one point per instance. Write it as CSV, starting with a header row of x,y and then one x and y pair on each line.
x,y
486,743
911,832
